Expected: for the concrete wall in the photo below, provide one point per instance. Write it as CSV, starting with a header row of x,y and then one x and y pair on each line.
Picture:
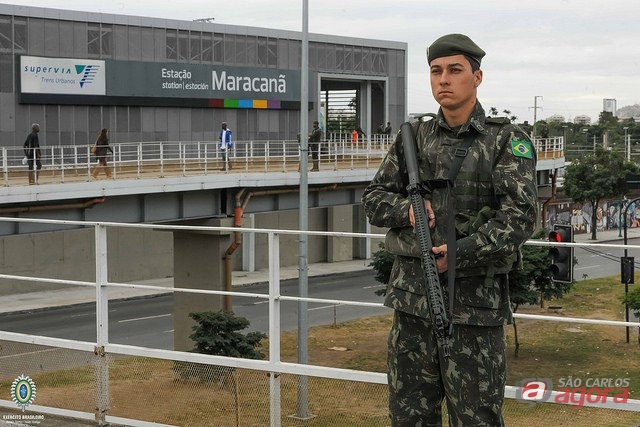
x,y
141,254
134,254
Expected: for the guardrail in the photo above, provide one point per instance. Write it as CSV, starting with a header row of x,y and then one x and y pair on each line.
x,y
112,383
157,159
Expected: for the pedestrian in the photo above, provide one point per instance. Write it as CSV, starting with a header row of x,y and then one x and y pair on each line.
x,y
100,151
226,143
32,153
314,144
354,136
387,130
492,203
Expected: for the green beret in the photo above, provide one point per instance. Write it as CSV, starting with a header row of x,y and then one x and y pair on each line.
x,y
454,44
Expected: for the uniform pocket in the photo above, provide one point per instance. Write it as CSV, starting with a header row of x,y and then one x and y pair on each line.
x,y
480,291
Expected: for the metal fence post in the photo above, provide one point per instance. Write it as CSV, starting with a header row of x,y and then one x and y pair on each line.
x,y
274,328
102,325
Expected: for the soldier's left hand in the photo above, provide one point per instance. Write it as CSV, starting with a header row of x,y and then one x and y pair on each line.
x,y
441,257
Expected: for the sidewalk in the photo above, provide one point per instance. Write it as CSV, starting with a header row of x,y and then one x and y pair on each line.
x,y
31,301
78,295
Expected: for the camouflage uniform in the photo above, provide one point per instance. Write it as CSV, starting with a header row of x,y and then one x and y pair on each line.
x,y
495,199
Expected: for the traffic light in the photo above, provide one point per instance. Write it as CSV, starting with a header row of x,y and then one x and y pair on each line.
x,y
561,256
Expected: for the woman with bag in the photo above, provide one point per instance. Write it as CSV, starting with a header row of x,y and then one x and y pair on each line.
x,y
100,151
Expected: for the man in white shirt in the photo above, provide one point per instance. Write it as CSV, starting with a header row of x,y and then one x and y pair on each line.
x,y
226,143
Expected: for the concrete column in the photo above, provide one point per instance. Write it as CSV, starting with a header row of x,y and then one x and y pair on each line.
x,y
198,264
339,218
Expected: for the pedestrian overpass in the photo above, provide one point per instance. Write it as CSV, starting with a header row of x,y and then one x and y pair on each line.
x,y
184,180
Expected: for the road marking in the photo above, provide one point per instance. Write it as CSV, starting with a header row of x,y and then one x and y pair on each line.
x,y
584,268
324,306
374,286
30,352
144,318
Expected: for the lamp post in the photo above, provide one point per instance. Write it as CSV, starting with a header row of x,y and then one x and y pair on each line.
x,y
627,144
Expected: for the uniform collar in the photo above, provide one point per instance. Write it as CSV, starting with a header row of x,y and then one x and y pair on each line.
x,y
475,121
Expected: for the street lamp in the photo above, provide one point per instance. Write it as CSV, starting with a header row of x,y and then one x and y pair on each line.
x,y
627,144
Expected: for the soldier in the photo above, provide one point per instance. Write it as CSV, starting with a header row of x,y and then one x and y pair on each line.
x,y
314,145
492,203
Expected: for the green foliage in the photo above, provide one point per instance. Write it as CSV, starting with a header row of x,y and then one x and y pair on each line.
x,y
382,262
632,299
533,283
597,176
216,333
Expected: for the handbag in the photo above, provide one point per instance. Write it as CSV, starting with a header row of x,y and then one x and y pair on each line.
x,y
93,149
25,160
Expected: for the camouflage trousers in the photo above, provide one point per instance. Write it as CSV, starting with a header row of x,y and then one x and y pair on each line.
x,y
471,381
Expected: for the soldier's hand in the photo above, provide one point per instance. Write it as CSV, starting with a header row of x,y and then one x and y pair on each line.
x,y
441,258
430,214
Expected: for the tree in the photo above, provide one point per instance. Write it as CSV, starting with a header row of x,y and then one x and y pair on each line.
x,y
595,177
216,333
533,284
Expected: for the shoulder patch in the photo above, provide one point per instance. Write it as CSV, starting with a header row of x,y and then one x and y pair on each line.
x,y
521,148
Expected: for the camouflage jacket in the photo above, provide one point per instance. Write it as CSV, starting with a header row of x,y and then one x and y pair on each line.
x,y
495,199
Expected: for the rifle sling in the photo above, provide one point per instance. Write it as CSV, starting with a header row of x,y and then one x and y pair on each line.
x,y
459,156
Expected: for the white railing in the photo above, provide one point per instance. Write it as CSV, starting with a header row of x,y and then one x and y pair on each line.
x,y
157,159
274,366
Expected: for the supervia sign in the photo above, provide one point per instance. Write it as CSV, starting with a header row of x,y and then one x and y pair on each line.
x,y
62,76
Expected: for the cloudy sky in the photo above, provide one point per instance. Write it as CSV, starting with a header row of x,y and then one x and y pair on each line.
x,y
569,53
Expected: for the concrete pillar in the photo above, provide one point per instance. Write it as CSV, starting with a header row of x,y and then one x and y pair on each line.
x,y
198,264
340,218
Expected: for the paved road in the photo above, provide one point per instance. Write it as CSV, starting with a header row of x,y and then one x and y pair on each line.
x,y
148,321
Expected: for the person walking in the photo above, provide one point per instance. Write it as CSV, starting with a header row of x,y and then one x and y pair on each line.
x,y
101,147
226,143
314,145
492,203
32,153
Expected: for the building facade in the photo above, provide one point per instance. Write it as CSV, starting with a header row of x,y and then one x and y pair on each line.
x,y
148,79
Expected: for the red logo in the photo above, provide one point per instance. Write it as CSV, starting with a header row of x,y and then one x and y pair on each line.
x,y
534,390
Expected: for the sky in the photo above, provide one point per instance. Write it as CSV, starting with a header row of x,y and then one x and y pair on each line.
x,y
563,56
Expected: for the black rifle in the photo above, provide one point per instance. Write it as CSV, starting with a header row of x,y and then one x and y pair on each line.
x,y
434,290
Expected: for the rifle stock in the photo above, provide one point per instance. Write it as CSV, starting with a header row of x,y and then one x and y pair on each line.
x,y
437,309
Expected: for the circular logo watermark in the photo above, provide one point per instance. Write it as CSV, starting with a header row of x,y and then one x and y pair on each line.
x,y
23,391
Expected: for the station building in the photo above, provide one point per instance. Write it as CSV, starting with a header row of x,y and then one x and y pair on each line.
x,y
149,79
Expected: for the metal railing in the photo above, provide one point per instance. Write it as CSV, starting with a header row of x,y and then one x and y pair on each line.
x,y
261,399
158,159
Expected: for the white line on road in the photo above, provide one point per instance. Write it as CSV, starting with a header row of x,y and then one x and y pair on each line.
x,y
30,352
325,306
143,318
584,268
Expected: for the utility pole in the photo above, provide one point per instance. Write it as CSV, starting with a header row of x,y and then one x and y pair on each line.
x,y
535,115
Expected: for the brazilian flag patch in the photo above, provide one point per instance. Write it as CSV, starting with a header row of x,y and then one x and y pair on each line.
x,y
521,149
